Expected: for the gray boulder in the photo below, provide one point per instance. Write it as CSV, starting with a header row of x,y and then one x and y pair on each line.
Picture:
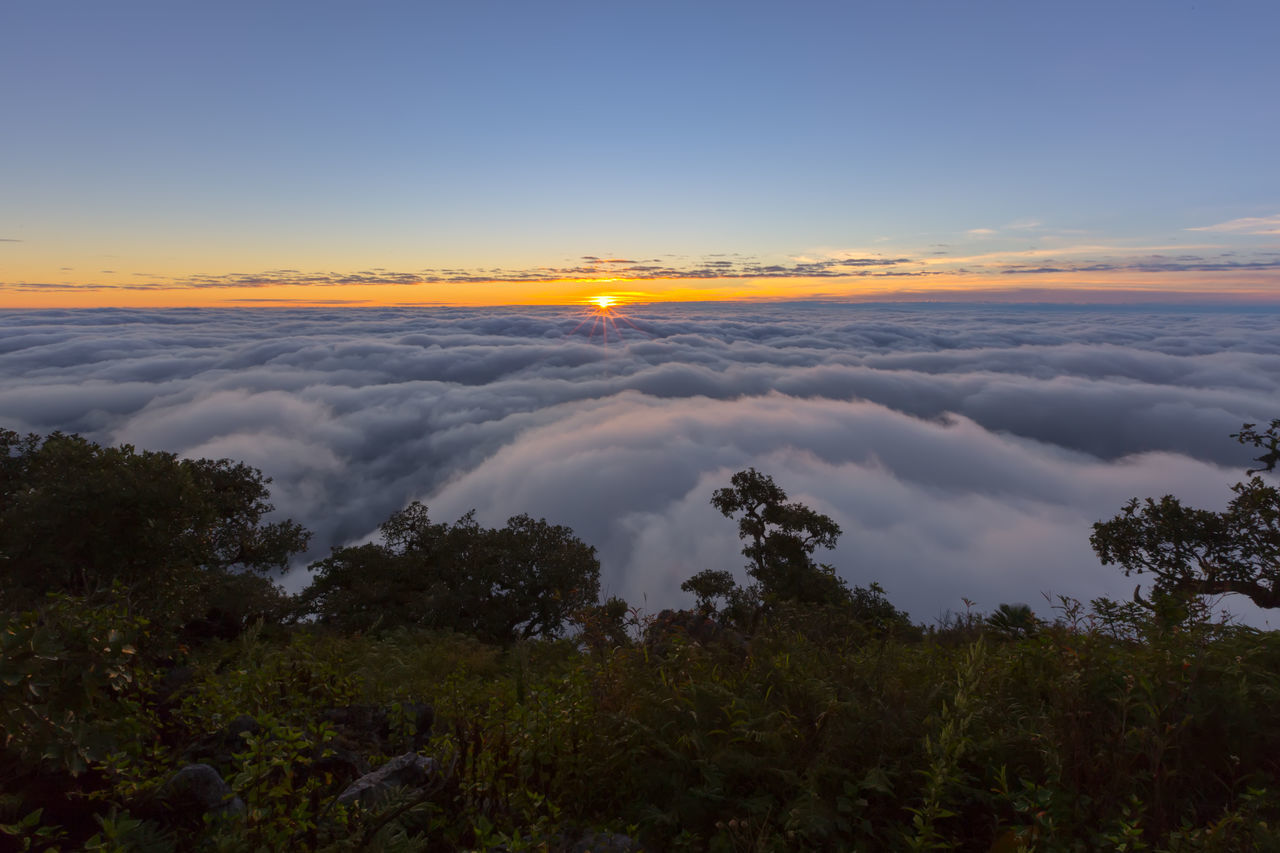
x,y
197,789
406,771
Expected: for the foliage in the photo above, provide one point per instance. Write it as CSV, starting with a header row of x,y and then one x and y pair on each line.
x,y
789,586
606,624
71,684
1077,736
78,518
709,585
1013,620
524,580
1268,440
836,726
1195,552
780,540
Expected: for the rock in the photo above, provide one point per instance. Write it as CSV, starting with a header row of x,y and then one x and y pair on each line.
x,y
198,789
241,725
406,771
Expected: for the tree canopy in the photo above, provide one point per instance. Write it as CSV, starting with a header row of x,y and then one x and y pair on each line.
x,y
780,540
79,518
1199,552
523,580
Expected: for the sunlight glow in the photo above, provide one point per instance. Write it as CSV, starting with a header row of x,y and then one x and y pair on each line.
x,y
602,317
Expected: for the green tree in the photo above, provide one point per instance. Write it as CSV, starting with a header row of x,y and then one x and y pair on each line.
x,y
523,580
1197,552
174,535
780,540
709,585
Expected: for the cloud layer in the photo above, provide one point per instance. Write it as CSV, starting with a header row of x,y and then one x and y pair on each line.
x,y
964,450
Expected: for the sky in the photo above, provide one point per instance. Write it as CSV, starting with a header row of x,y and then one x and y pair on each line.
x,y
965,450
500,153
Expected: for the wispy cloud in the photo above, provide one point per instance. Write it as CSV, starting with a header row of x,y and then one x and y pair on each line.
x,y
1245,225
591,268
858,270
1154,263
1101,250
1016,225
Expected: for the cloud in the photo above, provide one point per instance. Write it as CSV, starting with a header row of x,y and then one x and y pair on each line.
x,y
1247,225
964,450
853,273
593,267
9,240
1152,263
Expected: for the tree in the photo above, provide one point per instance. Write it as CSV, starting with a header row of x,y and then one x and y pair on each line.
x,y
80,518
523,580
1196,552
1268,440
708,585
780,540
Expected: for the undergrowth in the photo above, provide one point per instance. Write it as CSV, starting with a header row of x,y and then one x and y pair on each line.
x,y
1101,730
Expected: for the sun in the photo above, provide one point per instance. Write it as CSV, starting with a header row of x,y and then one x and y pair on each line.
x,y
601,316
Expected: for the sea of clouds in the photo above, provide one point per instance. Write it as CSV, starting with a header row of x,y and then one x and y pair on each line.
x,y
965,450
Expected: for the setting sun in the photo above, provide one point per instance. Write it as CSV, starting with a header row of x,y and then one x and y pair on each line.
x,y
604,302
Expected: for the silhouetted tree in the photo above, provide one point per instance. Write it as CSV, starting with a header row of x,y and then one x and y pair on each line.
x,y
174,534
1198,552
709,585
780,540
1268,440
523,580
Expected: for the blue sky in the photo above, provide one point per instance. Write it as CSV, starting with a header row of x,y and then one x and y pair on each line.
x,y
169,142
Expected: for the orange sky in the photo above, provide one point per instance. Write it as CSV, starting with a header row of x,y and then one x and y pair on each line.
x,y
1118,286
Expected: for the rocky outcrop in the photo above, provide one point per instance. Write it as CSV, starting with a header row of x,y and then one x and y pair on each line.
x,y
196,790
406,771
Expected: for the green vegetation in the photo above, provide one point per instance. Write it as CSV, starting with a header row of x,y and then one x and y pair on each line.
x,y
182,540
140,634
522,581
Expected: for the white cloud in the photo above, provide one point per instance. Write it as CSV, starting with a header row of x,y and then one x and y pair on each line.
x,y
965,451
1245,225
